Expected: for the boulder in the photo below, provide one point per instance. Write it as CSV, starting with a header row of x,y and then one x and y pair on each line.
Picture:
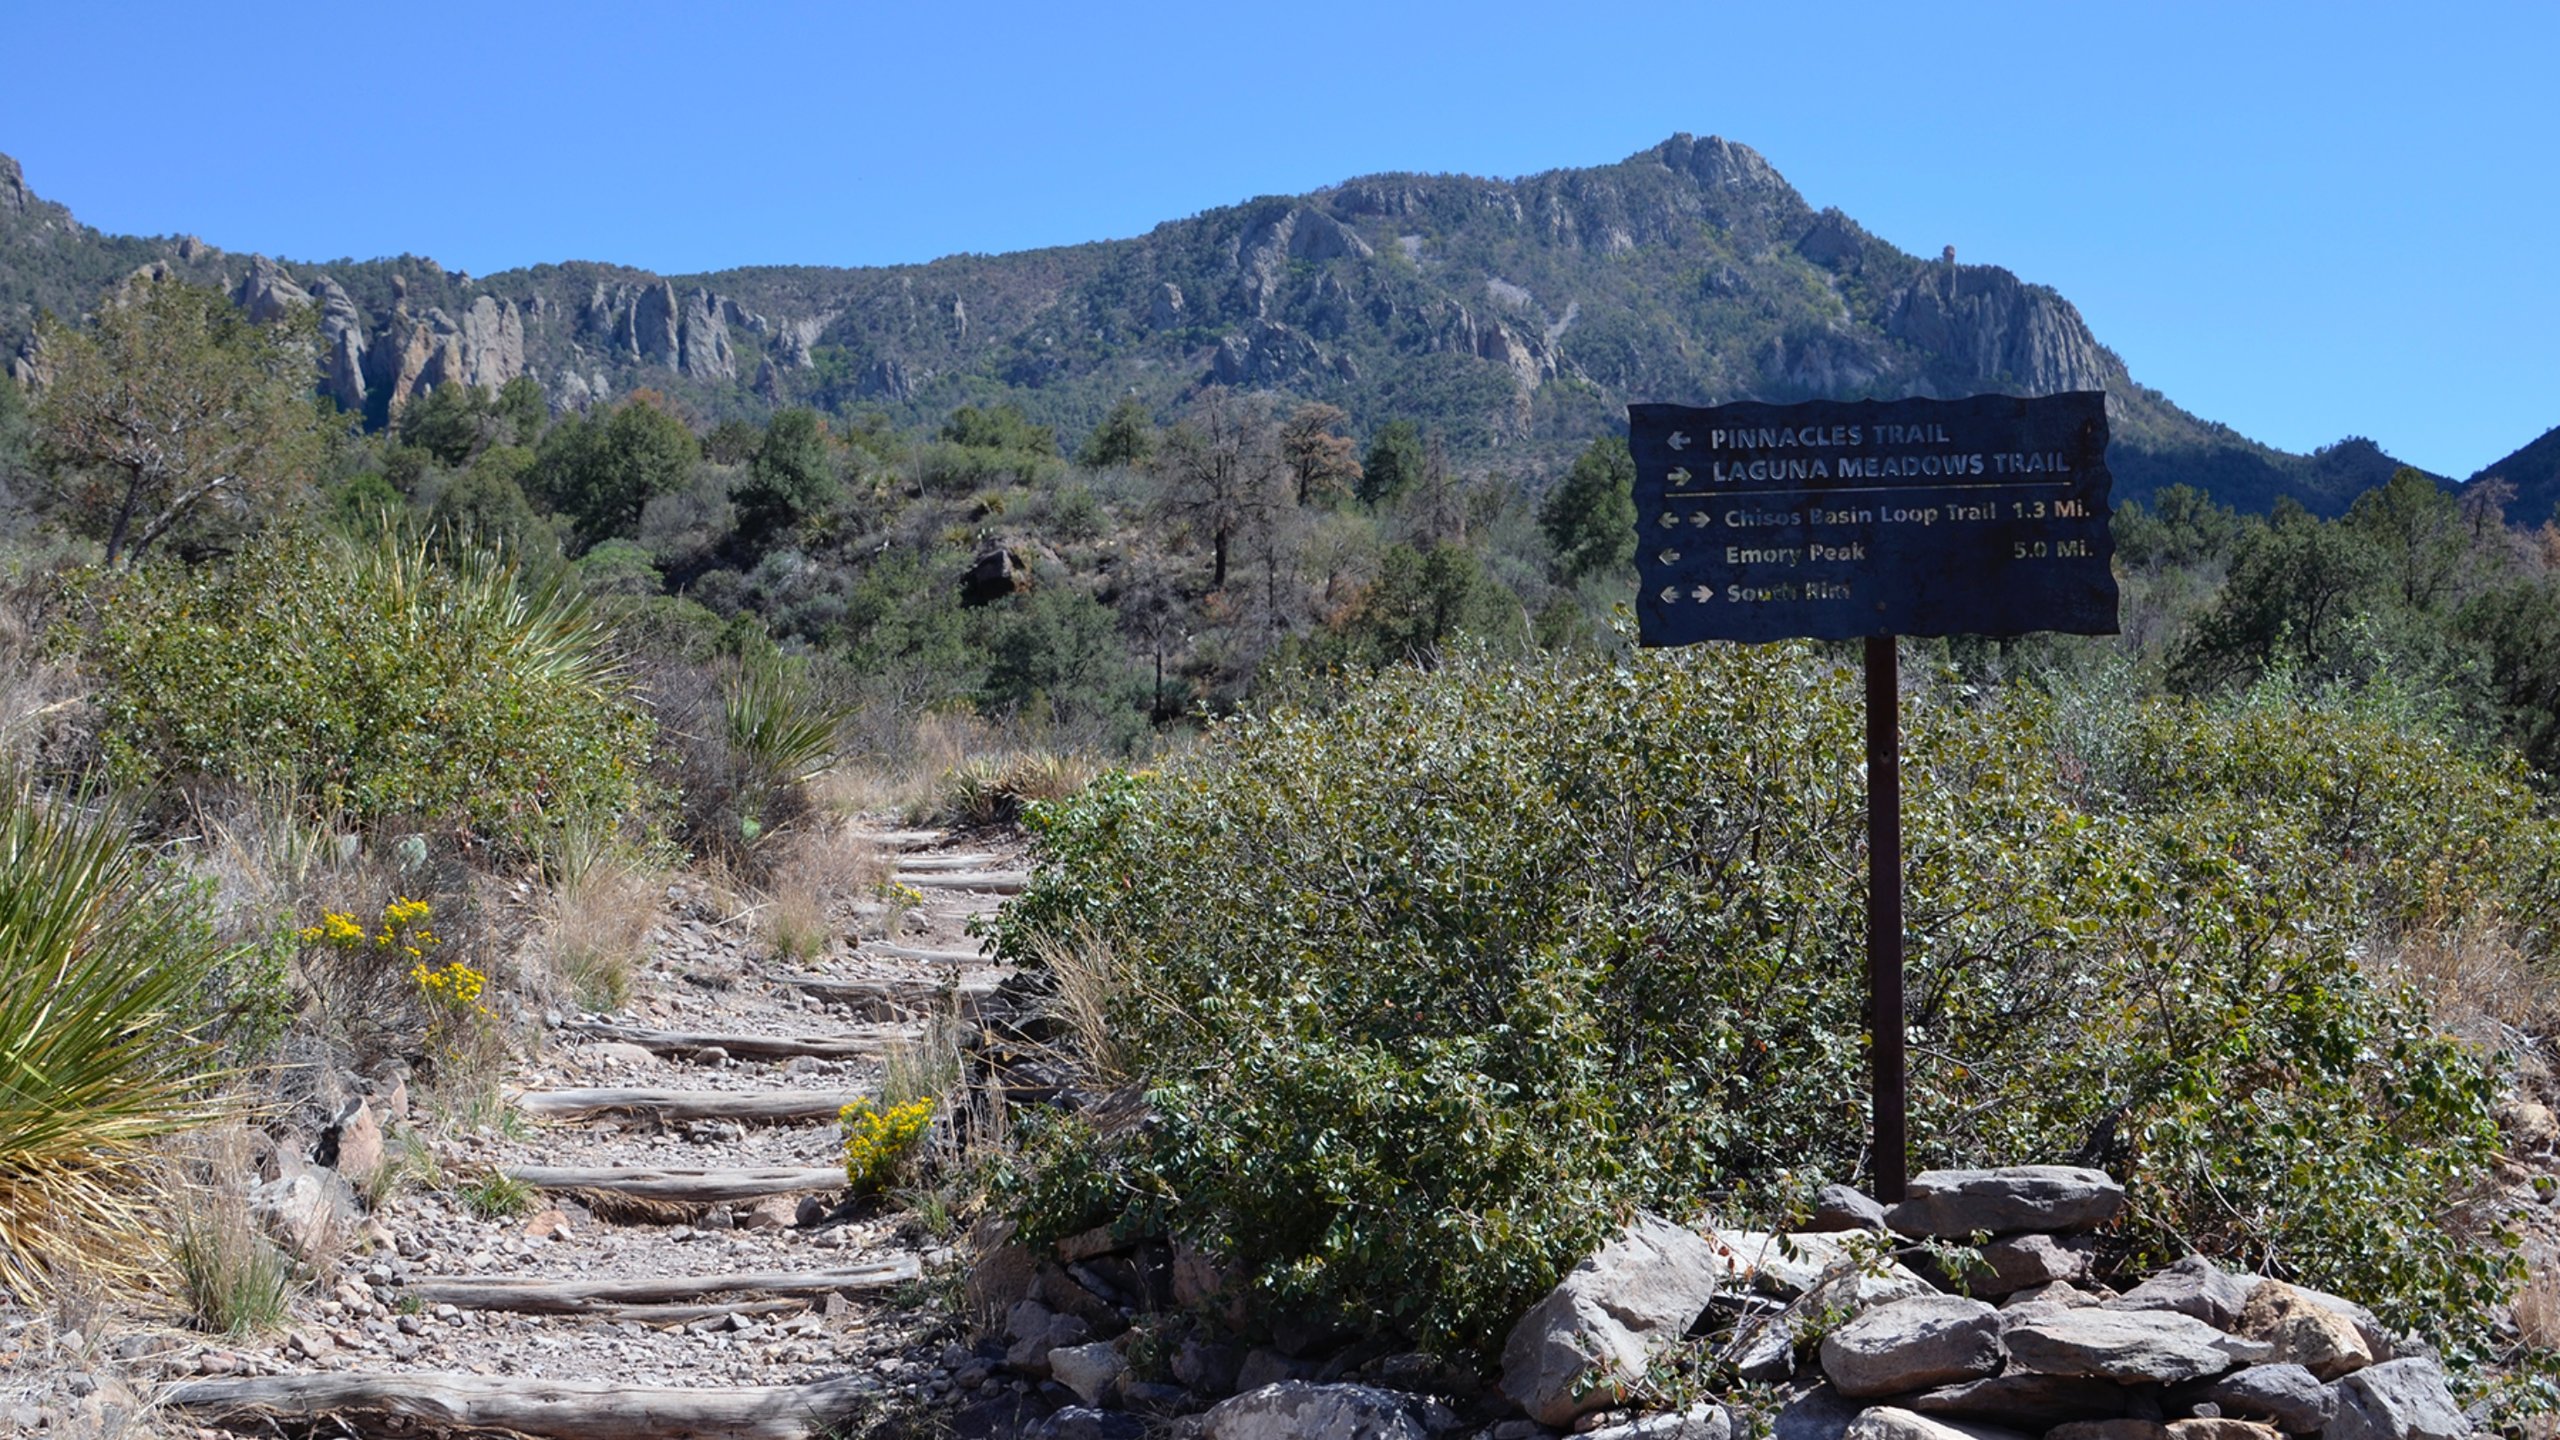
x,y
1087,1369
1838,1207
2023,1397
1859,1292
353,1144
2287,1396
2396,1400
1078,1422
1708,1421
1340,1412
1820,1413
2120,1428
1913,1344
1206,1366
1580,1348
2024,1262
2194,1287
2368,1328
1888,1422
2126,1346
1782,1265
2219,1427
2302,1331
308,1211
2061,1293
1035,1331
1955,1204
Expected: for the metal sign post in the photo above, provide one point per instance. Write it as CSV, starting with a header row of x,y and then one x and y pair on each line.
x,y
1870,520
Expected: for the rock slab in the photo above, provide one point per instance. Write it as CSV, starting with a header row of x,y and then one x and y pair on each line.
x,y
1295,1408
2396,1400
1913,1344
1955,1204
1579,1349
2129,1347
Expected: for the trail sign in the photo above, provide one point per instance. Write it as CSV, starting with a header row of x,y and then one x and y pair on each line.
x,y
1874,519
1841,519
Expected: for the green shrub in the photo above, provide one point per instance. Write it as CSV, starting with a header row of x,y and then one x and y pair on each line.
x,y
377,680
1430,991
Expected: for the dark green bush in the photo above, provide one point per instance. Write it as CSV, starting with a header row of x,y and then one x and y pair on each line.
x,y
378,680
1427,992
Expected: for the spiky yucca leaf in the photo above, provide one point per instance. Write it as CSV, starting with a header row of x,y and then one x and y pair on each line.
x,y
99,958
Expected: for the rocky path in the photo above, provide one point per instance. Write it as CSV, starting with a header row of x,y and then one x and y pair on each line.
x,y
693,1265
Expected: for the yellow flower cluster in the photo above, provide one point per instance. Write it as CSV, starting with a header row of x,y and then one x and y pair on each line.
x,y
457,986
403,929
876,1140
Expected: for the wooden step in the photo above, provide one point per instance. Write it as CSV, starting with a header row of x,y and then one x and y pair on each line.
x,y
680,1187
902,839
580,1297
933,957
748,1047
987,882
449,1404
767,1106
892,998
934,864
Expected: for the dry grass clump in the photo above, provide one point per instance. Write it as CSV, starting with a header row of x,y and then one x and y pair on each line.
x,y
231,1278
818,867
2538,1303
2478,982
993,791
1090,982
603,901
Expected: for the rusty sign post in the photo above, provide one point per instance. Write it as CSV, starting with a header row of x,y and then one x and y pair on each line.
x,y
1870,520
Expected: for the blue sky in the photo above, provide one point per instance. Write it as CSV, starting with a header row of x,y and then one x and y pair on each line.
x,y
2304,221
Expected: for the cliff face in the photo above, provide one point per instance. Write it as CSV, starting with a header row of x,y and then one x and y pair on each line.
x,y
1512,316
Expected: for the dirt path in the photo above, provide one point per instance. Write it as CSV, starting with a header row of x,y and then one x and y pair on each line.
x,y
691,1267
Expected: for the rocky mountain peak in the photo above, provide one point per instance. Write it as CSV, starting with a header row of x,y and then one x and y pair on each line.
x,y
13,187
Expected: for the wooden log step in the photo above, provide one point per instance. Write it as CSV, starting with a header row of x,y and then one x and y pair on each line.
x,y
688,1314
448,1404
580,1297
935,957
993,882
680,1187
903,839
769,1106
882,997
747,1047
931,864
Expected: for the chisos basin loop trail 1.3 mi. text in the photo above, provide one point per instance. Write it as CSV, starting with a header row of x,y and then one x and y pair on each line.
x,y
1839,519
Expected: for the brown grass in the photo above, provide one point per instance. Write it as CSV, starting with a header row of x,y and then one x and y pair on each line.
x,y
1091,982
821,867
2478,982
2538,1303
596,921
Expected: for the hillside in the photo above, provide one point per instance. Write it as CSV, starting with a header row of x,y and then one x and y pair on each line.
x,y
1515,317
2535,472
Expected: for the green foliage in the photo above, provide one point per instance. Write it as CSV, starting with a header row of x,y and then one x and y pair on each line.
x,y
999,427
1054,651
1429,991
1426,598
1393,464
175,412
599,470
791,476
2296,584
234,1280
1591,517
102,958
498,1195
1126,436
485,505
451,422
379,680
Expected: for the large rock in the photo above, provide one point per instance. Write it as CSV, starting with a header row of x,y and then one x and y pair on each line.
x,y
1088,1369
2023,1262
1708,1421
2024,1397
2303,1332
1579,1349
2396,1400
1079,1422
2368,1326
1820,1413
1783,1265
2221,1427
1888,1422
1913,1344
1295,1409
2126,1346
2194,1287
1954,1204
1035,1330
2287,1396
1838,1207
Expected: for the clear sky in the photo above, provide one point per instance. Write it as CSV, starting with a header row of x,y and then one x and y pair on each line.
x,y
2305,221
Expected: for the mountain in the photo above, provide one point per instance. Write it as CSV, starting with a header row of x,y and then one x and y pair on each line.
x,y
1516,318
2535,472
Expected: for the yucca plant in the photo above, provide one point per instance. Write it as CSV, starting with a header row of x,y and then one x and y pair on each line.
x,y
101,958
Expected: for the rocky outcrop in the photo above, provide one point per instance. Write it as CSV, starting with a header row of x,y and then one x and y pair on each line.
x,y
14,197
1988,324
1291,233
267,294
1265,353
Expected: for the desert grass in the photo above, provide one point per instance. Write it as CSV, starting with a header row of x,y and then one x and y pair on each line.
x,y
1091,983
819,868
603,900
231,1278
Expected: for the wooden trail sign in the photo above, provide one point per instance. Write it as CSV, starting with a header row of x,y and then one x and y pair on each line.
x,y
1873,519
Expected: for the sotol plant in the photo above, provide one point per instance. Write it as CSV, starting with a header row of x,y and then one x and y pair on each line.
x,y
102,958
